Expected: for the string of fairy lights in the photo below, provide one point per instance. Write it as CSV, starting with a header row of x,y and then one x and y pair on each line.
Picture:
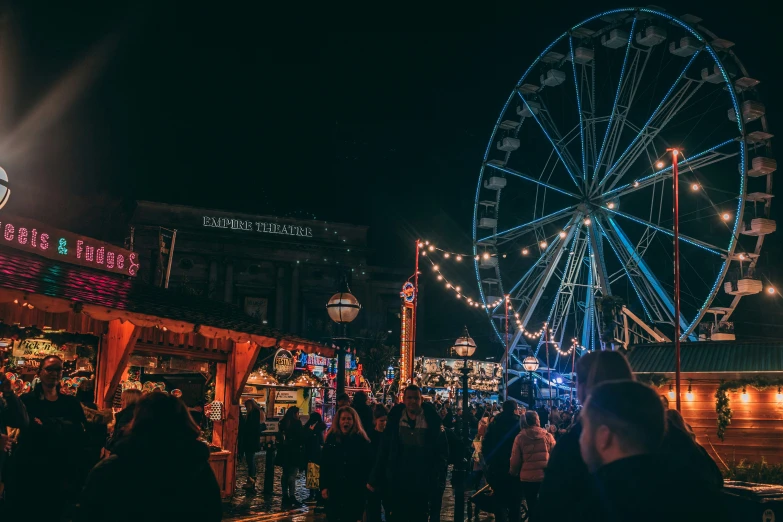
x,y
426,247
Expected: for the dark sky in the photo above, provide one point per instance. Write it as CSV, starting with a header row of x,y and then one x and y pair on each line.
x,y
370,114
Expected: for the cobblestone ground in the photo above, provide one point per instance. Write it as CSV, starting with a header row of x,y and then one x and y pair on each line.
x,y
255,506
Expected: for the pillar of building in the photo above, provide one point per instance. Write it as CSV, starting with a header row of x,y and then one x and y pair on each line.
x,y
295,324
280,292
228,290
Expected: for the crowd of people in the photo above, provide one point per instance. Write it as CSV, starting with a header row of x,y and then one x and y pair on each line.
x,y
622,455
64,459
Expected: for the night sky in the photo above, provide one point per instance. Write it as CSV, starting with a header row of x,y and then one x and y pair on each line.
x,y
372,114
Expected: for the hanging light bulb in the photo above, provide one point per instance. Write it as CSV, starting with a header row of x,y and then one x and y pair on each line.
x,y
440,277
610,205
459,258
635,183
435,267
660,165
671,392
432,248
779,396
486,255
525,251
457,288
695,187
770,289
726,216
744,396
742,257
543,244
423,253
689,393
447,255
562,234
477,258
587,221
448,285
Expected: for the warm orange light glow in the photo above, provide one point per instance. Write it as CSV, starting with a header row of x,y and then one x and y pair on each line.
x,y
587,221
486,255
726,216
660,165
635,183
610,205
440,277
562,234
435,267
744,396
459,258
770,289
432,248
525,251
695,187
543,244
447,255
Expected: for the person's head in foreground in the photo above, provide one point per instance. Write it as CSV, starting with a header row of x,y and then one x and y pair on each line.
x,y
596,367
620,419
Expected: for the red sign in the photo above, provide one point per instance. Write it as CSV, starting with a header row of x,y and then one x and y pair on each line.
x,y
60,245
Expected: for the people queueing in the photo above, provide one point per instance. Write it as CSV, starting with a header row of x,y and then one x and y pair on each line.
x,y
12,415
410,471
529,458
566,471
96,426
345,466
363,409
343,400
623,426
123,418
497,448
374,499
291,456
161,472
315,427
249,442
51,438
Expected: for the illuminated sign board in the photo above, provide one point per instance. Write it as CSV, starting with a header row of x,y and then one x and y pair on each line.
x,y
256,226
60,245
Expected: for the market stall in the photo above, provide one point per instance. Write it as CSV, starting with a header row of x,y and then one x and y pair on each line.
x,y
59,290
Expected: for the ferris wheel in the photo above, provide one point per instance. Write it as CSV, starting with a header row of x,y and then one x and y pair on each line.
x,y
574,197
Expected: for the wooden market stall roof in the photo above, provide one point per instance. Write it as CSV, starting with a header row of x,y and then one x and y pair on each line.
x,y
709,357
60,287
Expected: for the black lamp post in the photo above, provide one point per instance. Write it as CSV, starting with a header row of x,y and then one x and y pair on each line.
x,y
530,364
465,347
343,308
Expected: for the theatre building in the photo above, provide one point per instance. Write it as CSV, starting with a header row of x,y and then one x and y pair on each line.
x,y
280,270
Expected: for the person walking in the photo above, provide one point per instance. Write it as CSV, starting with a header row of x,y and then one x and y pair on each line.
x,y
566,471
623,426
250,440
363,409
529,457
410,471
291,453
374,500
314,430
123,418
497,449
345,466
160,473
51,438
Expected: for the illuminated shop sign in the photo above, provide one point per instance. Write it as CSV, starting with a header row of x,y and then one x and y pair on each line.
x,y
311,359
257,226
60,245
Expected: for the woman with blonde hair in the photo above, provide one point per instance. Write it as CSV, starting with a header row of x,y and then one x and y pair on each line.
x,y
345,467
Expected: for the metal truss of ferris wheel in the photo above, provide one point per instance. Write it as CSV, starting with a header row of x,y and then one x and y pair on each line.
x,y
573,159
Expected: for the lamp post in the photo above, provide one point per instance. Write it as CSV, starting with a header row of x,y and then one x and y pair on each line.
x,y
342,308
676,196
531,364
464,347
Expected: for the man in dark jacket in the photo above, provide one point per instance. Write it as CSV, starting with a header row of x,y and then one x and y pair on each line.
x,y
623,428
496,448
363,409
411,467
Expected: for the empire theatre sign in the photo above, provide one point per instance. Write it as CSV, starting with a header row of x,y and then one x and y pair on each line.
x,y
257,226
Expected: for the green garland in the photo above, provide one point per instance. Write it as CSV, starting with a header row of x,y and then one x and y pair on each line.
x,y
722,403
654,379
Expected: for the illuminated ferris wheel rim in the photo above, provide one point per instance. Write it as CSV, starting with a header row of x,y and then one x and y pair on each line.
x,y
589,200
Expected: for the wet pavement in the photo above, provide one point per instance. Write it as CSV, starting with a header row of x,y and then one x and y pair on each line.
x,y
255,506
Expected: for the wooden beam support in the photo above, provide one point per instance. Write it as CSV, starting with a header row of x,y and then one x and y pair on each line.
x,y
244,355
116,346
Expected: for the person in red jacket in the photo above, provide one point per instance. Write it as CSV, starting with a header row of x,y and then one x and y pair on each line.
x,y
529,457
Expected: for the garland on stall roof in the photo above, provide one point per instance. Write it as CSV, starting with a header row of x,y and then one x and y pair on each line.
x,y
722,403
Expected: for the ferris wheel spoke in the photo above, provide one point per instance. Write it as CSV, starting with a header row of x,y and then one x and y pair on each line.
x,y
513,172
568,284
666,110
616,96
554,137
553,261
517,231
699,160
650,278
687,239
579,108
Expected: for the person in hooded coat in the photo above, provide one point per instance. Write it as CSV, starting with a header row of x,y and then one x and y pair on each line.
x,y
529,457
497,448
363,409
160,473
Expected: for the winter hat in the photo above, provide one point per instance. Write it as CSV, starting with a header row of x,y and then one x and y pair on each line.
x,y
380,412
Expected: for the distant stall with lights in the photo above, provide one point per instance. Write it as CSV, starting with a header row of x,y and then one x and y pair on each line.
x,y
732,394
443,377
75,296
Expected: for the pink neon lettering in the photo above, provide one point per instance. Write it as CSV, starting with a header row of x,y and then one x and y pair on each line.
x,y
109,259
99,256
89,253
79,248
9,232
44,241
22,236
133,264
33,238
120,261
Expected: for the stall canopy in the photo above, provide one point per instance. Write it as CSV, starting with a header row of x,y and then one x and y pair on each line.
x,y
56,288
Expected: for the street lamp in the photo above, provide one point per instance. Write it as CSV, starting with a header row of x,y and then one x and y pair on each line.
x,y
465,346
531,364
342,308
